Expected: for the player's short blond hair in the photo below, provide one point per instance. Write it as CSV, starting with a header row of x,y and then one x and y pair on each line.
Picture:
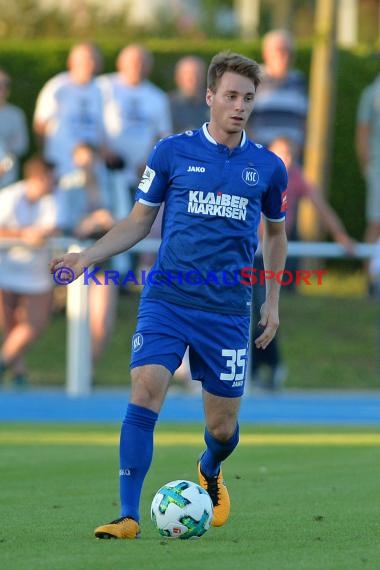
x,y
227,61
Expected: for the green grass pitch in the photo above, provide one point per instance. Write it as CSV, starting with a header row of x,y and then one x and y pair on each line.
x,y
302,498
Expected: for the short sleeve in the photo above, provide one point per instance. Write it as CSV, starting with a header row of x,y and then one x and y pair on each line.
x,y
156,176
46,105
8,199
274,202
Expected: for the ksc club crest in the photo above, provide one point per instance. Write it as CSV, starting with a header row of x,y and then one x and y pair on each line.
x,y
137,342
250,176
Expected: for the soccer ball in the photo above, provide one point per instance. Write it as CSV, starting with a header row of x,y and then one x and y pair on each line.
x,y
182,509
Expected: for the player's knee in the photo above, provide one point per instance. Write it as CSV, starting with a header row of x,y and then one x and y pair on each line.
x,y
149,387
222,432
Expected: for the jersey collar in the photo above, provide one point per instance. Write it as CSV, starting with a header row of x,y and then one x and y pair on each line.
x,y
222,146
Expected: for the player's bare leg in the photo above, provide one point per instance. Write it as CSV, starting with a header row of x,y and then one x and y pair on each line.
x,y
149,385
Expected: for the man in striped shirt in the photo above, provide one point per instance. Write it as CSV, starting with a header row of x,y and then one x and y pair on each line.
x,y
281,102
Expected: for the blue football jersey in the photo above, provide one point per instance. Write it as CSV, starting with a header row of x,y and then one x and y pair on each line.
x,y
213,199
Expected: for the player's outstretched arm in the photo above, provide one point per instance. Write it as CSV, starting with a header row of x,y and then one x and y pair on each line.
x,y
121,237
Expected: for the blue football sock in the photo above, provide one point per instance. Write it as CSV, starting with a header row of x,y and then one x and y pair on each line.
x,y
216,452
136,452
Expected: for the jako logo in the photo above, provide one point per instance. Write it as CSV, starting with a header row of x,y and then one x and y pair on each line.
x,y
196,169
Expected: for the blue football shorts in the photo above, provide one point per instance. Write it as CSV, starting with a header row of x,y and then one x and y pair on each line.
x,y
218,344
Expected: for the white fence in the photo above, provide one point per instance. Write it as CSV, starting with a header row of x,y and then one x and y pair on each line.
x,y
78,345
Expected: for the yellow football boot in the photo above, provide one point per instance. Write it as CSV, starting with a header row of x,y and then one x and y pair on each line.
x,y
216,488
123,527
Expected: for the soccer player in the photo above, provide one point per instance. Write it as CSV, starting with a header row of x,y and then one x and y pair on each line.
x,y
215,183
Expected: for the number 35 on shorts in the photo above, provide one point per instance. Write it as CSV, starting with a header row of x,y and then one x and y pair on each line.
x,y
236,361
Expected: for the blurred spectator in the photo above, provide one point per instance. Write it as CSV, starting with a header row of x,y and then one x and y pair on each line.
x,y
136,115
28,212
86,216
298,187
374,272
281,101
136,112
85,212
14,138
368,153
188,102
374,266
69,109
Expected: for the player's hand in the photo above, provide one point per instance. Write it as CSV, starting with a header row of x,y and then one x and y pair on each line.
x,y
269,321
70,266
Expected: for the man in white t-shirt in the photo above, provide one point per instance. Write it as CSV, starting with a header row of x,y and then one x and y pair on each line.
x,y
28,212
136,112
14,138
367,139
69,109
136,115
